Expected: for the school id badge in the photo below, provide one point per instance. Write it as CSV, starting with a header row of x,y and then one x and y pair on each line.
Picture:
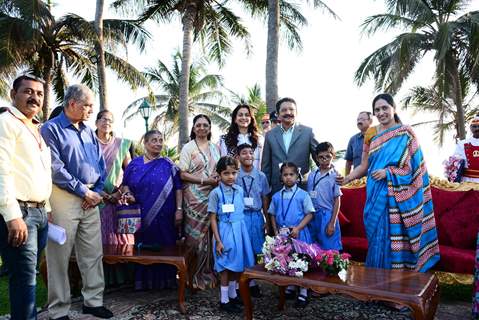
x,y
248,201
228,208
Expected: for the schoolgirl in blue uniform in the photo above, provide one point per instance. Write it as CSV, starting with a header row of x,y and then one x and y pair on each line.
x,y
256,190
231,245
326,194
291,210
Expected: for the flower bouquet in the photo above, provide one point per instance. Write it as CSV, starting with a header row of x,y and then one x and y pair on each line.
x,y
453,168
332,262
293,257
281,257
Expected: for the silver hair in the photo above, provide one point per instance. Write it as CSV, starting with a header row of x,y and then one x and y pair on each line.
x,y
76,92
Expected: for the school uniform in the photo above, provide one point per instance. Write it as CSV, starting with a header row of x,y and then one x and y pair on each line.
x,y
323,190
227,203
289,206
255,186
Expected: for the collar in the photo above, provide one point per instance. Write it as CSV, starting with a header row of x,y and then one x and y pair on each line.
x,y
246,173
19,115
65,122
228,188
290,128
292,189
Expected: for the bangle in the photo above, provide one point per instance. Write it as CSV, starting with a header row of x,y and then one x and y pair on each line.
x,y
179,208
201,182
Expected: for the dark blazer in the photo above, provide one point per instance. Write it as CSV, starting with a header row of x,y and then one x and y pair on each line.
x,y
301,147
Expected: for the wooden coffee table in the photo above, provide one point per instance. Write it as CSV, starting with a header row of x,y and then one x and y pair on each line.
x,y
178,256
419,291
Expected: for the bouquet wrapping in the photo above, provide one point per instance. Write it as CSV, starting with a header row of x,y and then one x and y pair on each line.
x,y
453,168
292,257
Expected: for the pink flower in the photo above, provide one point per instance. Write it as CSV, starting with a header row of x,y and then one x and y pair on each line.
x,y
330,260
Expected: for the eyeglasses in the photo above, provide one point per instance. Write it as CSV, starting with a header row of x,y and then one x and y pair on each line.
x,y
324,158
204,125
106,120
474,126
265,122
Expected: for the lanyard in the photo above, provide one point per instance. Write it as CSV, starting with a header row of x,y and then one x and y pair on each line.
x,y
315,183
247,190
223,195
283,213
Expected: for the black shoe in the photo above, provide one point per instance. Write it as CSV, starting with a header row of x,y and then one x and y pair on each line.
x,y
230,307
236,301
290,294
255,292
301,302
99,312
61,318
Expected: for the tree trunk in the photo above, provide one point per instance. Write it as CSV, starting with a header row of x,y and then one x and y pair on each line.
x,y
47,76
272,55
458,99
100,56
188,21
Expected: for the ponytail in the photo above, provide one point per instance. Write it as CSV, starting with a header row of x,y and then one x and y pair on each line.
x,y
397,119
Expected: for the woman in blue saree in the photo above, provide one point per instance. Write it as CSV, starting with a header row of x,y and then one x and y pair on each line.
x,y
154,182
398,214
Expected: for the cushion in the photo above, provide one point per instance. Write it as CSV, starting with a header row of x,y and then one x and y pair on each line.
x,y
357,247
460,221
456,260
343,220
442,200
352,206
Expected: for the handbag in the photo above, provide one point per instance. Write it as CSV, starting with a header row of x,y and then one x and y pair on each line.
x,y
128,218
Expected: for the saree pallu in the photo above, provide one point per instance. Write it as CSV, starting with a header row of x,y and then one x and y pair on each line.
x,y
196,220
398,215
154,185
114,154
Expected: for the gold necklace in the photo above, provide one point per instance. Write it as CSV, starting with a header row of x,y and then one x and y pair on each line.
x,y
109,139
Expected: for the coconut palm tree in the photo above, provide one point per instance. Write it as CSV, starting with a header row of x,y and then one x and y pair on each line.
x,y
438,27
204,92
284,19
100,56
210,21
32,39
422,99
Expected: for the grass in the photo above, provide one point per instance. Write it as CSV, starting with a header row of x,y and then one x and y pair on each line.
x,y
4,302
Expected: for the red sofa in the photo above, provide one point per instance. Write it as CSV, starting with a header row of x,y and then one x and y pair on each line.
x,y
456,208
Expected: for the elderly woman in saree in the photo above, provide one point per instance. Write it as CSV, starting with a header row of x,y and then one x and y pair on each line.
x,y
116,153
197,163
154,183
398,215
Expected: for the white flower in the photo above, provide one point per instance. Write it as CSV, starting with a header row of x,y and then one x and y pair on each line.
x,y
342,274
298,274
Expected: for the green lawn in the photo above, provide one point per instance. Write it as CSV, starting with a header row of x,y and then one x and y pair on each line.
x,y
4,302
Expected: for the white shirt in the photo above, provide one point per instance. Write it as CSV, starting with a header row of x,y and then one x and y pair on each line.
x,y
462,154
287,136
25,165
245,138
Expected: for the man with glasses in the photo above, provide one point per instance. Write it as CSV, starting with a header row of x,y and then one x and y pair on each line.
x,y
468,150
25,185
355,146
78,171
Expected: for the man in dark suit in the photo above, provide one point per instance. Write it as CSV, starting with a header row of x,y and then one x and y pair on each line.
x,y
288,142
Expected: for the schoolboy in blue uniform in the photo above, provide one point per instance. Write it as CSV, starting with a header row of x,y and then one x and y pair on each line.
x,y
256,189
231,245
291,210
326,195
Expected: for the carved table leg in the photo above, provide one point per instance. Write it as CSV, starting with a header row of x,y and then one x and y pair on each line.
x,y
182,272
245,295
282,297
